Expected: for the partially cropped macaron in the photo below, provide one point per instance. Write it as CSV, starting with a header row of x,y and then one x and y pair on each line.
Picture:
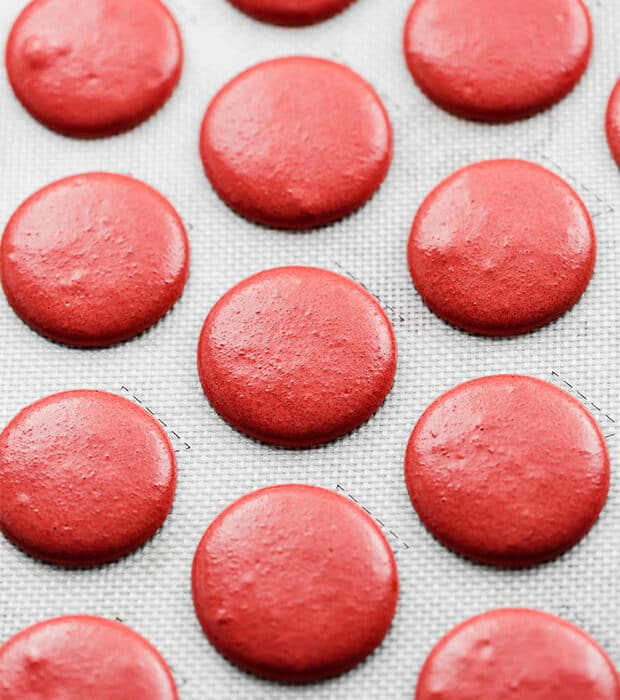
x,y
94,68
79,656
521,654
291,13
497,60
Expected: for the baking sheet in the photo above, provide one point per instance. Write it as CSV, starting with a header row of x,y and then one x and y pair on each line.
x,y
150,590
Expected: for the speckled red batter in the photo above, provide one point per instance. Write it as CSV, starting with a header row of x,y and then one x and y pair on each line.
x,y
94,259
497,60
517,655
96,67
85,477
83,658
502,247
291,12
295,583
296,142
296,356
612,123
507,470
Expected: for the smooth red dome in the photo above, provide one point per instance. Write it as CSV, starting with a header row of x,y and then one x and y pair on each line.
x,y
296,142
92,68
297,356
295,583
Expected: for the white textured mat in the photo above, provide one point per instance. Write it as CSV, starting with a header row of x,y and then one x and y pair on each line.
x,y
150,590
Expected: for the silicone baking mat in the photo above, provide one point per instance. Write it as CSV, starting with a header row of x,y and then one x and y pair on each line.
x,y
150,590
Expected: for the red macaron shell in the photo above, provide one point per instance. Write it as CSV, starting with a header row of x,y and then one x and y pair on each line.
x,y
83,658
497,60
517,654
296,142
612,123
295,583
291,13
94,68
297,356
507,470
94,259
86,477
502,247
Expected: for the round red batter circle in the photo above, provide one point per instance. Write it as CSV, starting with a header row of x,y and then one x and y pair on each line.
x,y
81,657
507,470
502,247
291,12
517,653
296,142
297,356
86,477
295,583
613,123
94,259
497,61
94,68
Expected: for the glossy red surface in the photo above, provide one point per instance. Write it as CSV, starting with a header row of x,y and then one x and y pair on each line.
x,y
85,478
295,583
296,142
94,259
612,123
507,470
502,247
94,68
296,356
291,12
497,61
83,658
517,654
